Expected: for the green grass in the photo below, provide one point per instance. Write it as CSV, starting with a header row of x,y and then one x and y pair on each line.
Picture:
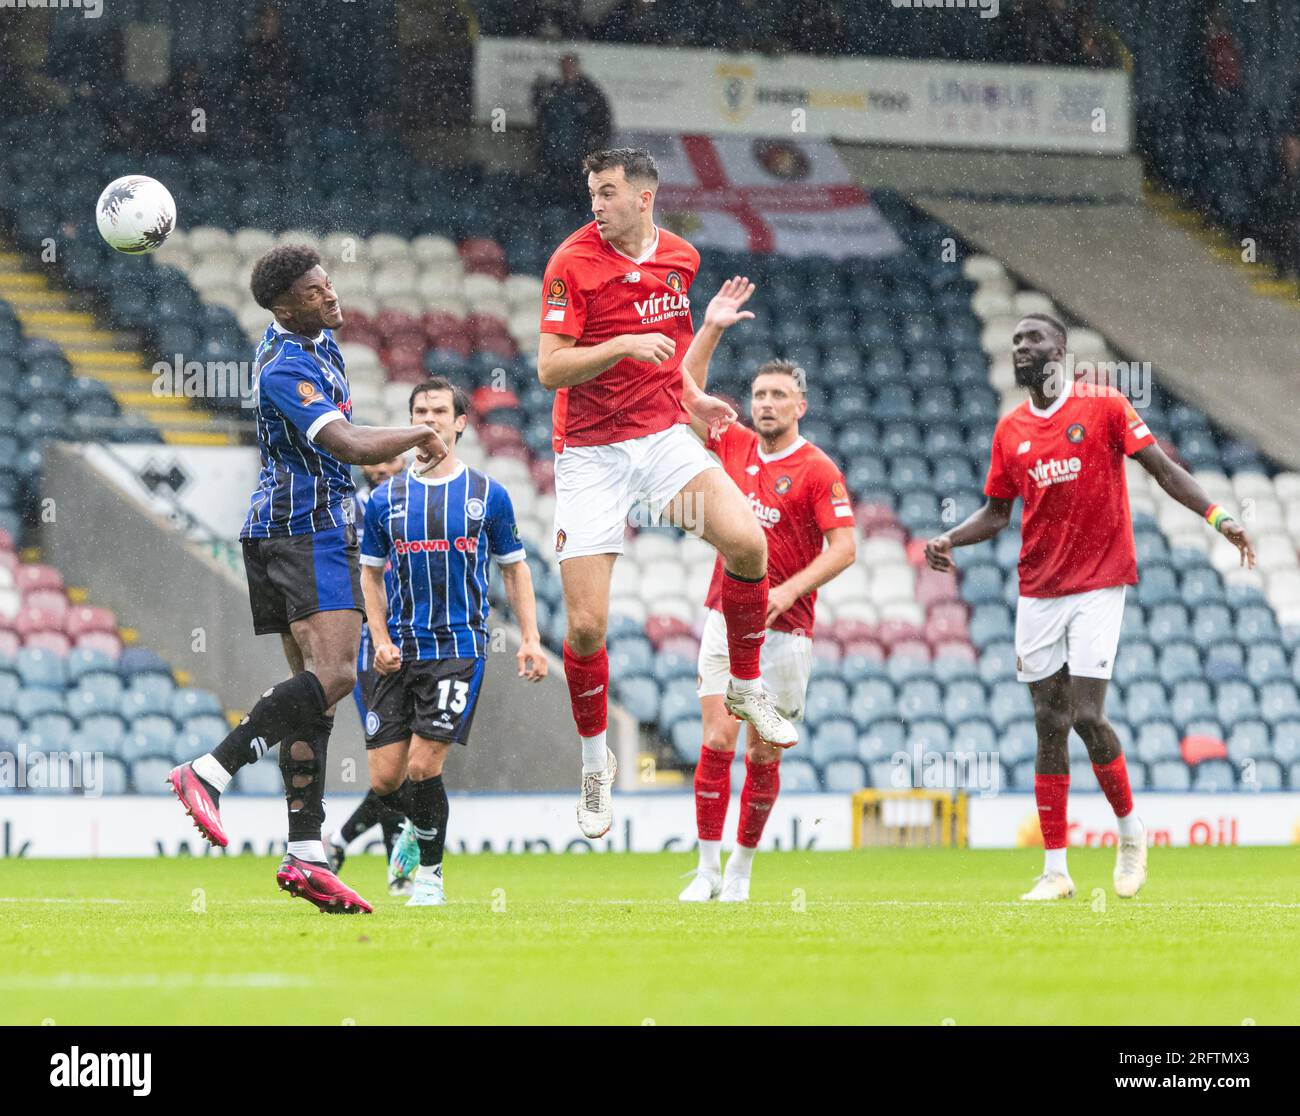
x,y
899,936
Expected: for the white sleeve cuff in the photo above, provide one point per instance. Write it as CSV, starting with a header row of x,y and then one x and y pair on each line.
x,y
511,558
325,419
379,563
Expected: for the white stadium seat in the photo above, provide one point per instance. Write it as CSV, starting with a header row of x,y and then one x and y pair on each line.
x,y
983,268
1033,302
387,247
205,238
440,283
1287,487
344,247
309,237
992,302
910,612
429,248
632,607
861,612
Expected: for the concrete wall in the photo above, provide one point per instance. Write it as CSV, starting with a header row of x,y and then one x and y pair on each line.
x,y
157,582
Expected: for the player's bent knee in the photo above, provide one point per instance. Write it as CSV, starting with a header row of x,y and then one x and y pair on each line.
x,y
585,635
1088,723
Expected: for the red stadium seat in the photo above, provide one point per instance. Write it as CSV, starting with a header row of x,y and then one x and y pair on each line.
x,y
688,647
871,517
439,322
932,586
827,648
83,618
10,643
485,400
31,620
47,600
54,642
1198,748
499,345
853,631
405,363
894,531
543,473
481,254
659,629
916,553
867,648
6,540
29,576
496,439
895,634
107,642
956,649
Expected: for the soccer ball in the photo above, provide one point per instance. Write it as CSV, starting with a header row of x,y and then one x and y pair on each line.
x,y
135,214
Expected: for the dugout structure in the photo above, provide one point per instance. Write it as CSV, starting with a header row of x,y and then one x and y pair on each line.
x,y
910,818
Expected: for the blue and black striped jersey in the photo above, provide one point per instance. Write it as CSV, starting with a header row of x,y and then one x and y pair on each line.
x,y
301,386
439,534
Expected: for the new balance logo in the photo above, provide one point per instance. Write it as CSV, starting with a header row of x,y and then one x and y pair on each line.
x,y
1023,448
593,693
632,277
708,794
755,635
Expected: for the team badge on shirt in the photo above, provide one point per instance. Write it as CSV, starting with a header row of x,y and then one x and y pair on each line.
x,y
474,508
1075,432
308,394
557,294
782,485
674,281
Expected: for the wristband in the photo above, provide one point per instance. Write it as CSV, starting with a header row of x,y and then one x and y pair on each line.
x,y
1216,516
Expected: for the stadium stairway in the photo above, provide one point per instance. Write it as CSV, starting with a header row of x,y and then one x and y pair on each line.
x,y
108,356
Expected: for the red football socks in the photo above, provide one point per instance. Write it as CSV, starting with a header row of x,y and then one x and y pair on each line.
x,y
1051,792
744,607
1113,778
712,792
588,678
762,783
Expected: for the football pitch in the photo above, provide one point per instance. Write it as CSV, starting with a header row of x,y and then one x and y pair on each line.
x,y
919,936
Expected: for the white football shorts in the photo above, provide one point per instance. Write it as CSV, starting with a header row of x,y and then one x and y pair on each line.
x,y
1081,629
596,487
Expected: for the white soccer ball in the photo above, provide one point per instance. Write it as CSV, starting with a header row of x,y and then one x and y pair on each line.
x,y
135,214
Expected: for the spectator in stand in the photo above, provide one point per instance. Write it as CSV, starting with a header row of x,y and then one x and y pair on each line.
x,y
572,118
1100,44
435,41
1221,56
1281,203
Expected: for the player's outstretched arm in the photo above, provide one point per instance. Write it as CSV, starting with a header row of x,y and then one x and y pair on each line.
x,y
1183,487
388,656
373,445
562,362
707,413
518,579
977,528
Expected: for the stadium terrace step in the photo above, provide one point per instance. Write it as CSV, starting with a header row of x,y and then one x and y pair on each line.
x,y
105,358
59,319
197,438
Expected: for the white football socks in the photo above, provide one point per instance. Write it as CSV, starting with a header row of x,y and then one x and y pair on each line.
x,y
207,768
744,685
1054,861
1129,825
593,753
711,856
741,861
308,850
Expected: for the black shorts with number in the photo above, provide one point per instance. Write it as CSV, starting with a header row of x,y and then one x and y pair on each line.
x,y
433,698
297,576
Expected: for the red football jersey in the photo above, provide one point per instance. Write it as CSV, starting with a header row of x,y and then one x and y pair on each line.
x,y
1068,464
593,292
797,495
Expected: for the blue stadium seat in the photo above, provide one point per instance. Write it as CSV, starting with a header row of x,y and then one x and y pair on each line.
x,y
989,624
870,701
114,778
883,738
670,666
149,775
83,661
997,663
1249,740
640,697
209,728
1022,775
10,686
39,668
827,698
1146,701
964,699
144,702
950,667
56,729
929,735
104,732
798,776
833,738
677,702
687,737
842,776
1008,702
190,701
919,698
1286,743
1170,775
1262,775
32,703
1224,660
860,668
630,656
1211,776
1278,701
1135,662
1236,701
975,734
1191,701
1180,662
263,777
1167,623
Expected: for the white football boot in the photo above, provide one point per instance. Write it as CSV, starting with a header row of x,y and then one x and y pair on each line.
x,y
595,802
756,707
735,887
1131,864
1050,885
705,886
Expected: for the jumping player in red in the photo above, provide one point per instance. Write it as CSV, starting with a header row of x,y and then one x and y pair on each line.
x,y
1062,451
615,324
798,496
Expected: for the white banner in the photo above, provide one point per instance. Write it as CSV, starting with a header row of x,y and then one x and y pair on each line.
x,y
145,825
865,100
204,490
1011,820
795,198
